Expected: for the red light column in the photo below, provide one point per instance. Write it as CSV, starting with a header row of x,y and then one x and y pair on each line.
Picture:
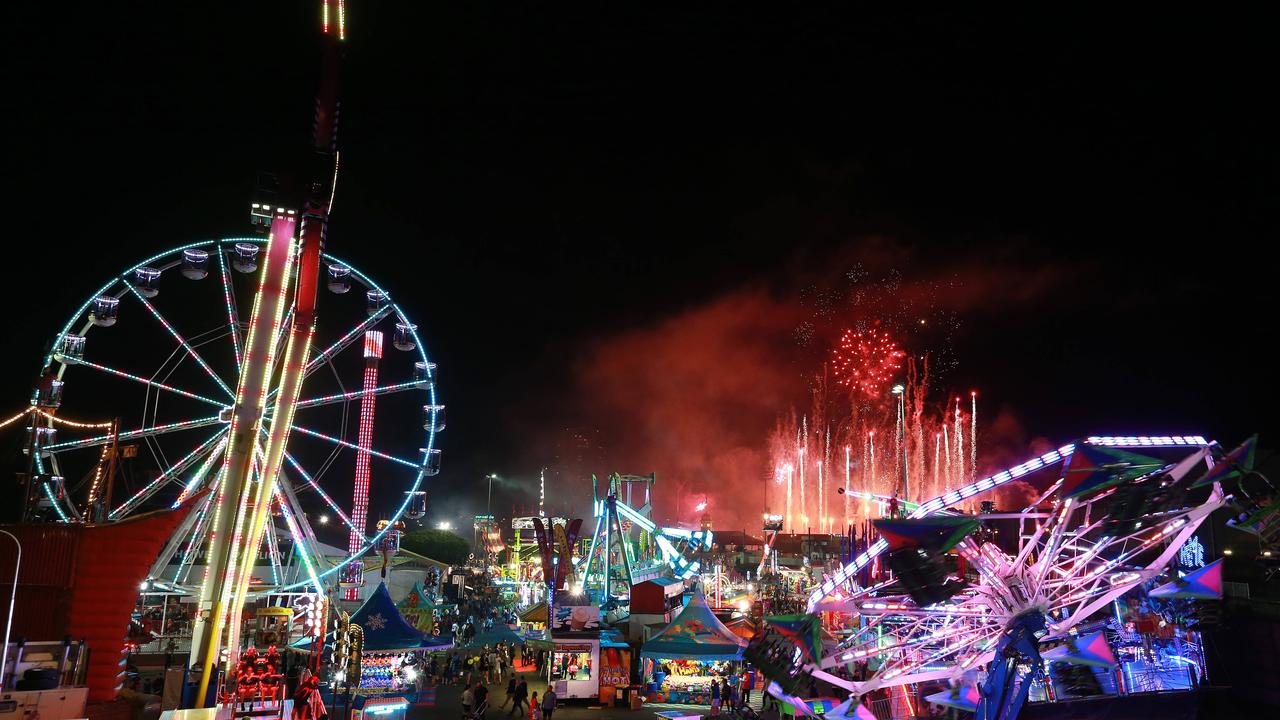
x,y
360,506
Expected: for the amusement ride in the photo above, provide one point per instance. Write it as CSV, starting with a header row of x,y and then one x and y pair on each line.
x,y
251,390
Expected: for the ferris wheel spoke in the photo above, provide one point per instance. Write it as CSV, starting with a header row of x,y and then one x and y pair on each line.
x,y
293,462
167,476
98,440
198,537
347,338
353,446
228,297
304,539
356,394
189,526
149,383
181,341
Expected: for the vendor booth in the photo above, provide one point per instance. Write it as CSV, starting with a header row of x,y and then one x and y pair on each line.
x,y
391,650
682,661
418,611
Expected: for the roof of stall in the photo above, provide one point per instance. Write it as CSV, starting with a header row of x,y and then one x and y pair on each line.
x,y
695,634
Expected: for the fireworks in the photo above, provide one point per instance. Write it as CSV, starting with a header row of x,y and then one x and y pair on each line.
x,y
866,360
886,439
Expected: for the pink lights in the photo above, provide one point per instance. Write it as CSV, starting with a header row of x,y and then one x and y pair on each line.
x,y
364,440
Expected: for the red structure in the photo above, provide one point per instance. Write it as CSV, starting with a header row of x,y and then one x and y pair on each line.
x,y
82,581
360,506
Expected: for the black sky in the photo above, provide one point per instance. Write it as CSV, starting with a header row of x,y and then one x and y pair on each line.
x,y
529,180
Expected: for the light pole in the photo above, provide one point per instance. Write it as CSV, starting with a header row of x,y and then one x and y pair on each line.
x,y
488,505
13,596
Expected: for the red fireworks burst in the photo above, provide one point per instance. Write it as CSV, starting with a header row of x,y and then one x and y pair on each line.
x,y
865,360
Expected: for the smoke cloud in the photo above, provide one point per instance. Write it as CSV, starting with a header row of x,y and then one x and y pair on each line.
x,y
695,396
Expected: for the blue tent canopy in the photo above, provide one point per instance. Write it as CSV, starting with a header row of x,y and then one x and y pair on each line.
x,y
384,627
695,634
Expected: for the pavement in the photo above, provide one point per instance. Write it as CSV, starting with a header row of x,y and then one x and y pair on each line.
x,y
448,704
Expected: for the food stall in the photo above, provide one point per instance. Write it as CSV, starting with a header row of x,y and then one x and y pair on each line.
x,y
573,663
572,667
680,663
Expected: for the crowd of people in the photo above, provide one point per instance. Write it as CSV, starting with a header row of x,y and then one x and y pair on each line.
x,y
476,672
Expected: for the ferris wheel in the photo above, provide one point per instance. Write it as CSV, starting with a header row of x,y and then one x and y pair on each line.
x,y
159,347
1114,519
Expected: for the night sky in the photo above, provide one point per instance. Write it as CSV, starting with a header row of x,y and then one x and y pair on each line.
x,y
586,211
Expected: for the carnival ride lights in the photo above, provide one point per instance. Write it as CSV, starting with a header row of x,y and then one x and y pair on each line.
x,y
184,471
611,538
254,422
360,507
1073,560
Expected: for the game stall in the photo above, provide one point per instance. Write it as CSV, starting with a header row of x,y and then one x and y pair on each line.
x,y
391,651
682,661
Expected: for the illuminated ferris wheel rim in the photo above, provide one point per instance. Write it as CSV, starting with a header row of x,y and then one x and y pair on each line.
x,y
173,258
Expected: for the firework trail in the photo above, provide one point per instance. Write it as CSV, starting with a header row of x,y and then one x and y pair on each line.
x,y
973,434
862,424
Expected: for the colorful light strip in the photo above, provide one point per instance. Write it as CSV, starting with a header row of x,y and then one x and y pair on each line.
x,y
294,529
11,420
71,423
232,323
342,515
151,383
181,341
173,470
200,473
1050,458
357,394
255,500
360,501
346,339
130,434
345,444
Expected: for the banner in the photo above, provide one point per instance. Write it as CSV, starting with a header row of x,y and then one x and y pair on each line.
x,y
544,546
565,538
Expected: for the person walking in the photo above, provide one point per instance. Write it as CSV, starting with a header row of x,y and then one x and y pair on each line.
x,y
548,703
481,699
749,681
715,696
468,701
521,697
511,692
535,712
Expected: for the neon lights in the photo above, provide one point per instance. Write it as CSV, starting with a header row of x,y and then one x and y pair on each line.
x,y
151,383
177,468
346,339
345,444
129,434
182,341
360,502
1147,441
232,323
357,394
200,473
71,423
315,486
